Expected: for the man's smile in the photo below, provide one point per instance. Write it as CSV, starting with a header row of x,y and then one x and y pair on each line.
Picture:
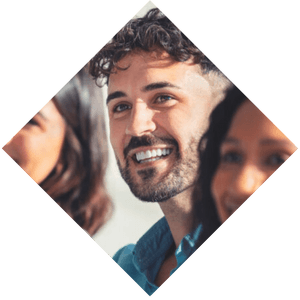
x,y
153,155
144,155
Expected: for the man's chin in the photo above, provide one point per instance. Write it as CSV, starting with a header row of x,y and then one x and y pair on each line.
x,y
152,185
156,189
147,176
152,194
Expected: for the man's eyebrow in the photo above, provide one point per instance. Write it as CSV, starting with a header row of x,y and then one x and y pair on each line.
x,y
114,95
158,85
147,88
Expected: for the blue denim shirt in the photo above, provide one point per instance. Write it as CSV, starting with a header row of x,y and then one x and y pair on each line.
x,y
143,260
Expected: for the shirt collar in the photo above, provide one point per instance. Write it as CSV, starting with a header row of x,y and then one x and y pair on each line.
x,y
155,243
152,245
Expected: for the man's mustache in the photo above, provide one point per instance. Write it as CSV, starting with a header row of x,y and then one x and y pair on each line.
x,y
146,141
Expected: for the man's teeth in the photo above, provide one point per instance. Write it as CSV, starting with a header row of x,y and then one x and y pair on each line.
x,y
152,154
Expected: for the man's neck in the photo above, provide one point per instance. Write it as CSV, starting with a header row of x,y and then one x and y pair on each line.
x,y
179,215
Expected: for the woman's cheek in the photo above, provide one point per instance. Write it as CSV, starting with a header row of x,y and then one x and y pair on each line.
x,y
23,146
46,156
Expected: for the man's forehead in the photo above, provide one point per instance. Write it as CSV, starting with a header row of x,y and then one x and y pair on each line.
x,y
147,81
145,68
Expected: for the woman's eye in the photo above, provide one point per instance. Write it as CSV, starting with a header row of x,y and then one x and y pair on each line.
x,y
275,160
231,158
121,107
32,122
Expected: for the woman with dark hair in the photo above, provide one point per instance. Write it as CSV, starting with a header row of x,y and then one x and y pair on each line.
x,y
239,151
64,149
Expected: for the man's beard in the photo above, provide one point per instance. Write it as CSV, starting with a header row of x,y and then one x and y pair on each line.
x,y
178,179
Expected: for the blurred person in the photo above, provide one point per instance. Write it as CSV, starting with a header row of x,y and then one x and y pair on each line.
x,y
63,148
161,90
241,149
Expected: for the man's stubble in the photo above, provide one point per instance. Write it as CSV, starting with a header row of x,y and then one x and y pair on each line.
x,y
181,177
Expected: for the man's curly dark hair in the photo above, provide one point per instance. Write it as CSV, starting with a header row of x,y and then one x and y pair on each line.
x,y
151,32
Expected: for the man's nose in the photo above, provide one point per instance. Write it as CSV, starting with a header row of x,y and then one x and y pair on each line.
x,y
141,120
248,180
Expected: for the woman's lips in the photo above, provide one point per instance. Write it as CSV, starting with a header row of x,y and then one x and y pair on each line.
x,y
233,205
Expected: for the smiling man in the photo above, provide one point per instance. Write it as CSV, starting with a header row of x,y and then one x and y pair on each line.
x,y
161,90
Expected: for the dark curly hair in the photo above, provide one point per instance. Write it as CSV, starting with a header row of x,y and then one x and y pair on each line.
x,y
77,181
209,151
152,32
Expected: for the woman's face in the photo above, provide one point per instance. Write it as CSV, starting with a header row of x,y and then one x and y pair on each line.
x,y
252,150
37,146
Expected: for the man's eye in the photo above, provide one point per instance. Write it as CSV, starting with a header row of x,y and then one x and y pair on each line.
x,y
163,98
121,107
231,158
275,160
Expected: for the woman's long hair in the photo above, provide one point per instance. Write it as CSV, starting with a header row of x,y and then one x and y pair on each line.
x,y
209,151
77,181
